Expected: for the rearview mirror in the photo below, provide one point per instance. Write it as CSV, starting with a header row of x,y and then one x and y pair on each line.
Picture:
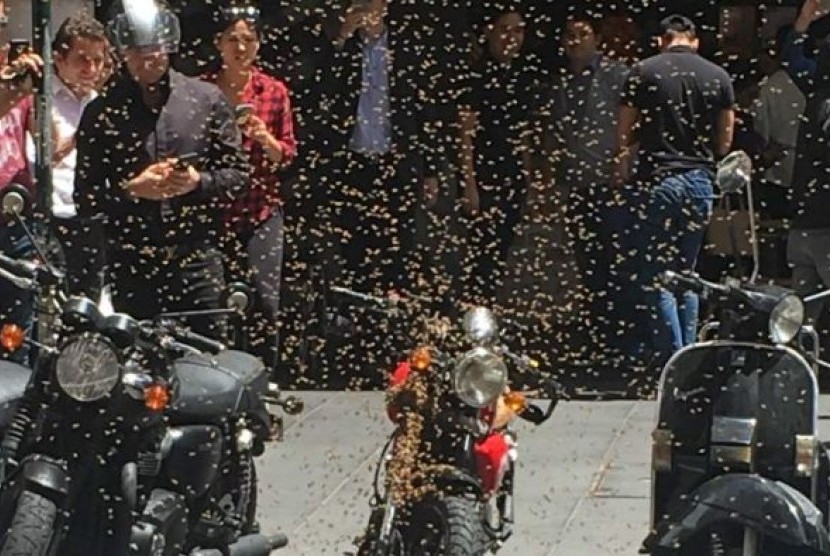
x,y
15,200
734,172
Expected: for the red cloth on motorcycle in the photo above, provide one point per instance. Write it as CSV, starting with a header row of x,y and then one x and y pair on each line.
x,y
399,376
491,459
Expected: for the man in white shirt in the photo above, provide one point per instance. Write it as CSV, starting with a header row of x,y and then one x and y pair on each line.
x,y
81,49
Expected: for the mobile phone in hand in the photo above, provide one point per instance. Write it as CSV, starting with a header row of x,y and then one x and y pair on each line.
x,y
18,47
185,160
242,111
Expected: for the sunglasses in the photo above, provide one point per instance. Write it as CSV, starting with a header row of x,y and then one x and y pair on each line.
x,y
249,13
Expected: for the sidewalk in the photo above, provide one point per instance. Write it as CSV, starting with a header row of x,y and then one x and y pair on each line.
x,y
582,483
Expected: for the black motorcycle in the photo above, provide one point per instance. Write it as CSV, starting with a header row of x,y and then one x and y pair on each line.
x,y
737,466
131,437
449,465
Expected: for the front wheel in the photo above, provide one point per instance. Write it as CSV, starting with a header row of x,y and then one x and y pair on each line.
x,y
448,526
32,527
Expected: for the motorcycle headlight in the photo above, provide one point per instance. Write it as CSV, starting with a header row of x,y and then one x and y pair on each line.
x,y
786,319
88,368
479,377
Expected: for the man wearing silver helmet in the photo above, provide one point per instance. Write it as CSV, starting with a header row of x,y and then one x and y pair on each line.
x,y
159,156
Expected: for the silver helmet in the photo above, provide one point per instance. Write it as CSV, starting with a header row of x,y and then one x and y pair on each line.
x,y
145,24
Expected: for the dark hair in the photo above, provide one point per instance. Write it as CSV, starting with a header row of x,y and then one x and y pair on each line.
x,y
585,17
229,15
678,26
80,25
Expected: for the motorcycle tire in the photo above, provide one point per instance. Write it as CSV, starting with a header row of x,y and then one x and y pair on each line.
x,y
32,527
447,526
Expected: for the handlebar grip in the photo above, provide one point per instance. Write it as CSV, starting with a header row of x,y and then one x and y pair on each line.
x,y
364,297
198,341
673,279
23,269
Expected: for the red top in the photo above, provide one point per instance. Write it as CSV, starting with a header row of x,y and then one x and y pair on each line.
x,y
14,166
270,100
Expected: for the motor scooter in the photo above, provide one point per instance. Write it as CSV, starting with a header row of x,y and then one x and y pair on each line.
x,y
737,465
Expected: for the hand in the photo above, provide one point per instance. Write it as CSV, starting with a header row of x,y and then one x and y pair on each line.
x,y
619,176
354,19
27,65
61,146
471,202
811,11
182,182
149,184
431,187
256,129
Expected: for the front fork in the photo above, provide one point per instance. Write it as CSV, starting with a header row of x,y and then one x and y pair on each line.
x,y
499,508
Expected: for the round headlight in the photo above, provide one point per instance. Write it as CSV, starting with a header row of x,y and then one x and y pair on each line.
x,y
480,325
479,377
88,368
786,319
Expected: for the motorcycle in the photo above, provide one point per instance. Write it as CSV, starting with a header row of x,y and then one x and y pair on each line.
x,y
449,464
131,437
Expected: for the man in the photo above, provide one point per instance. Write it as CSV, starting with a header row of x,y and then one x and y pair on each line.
x,y
162,217
680,107
808,244
376,101
80,50
778,111
581,138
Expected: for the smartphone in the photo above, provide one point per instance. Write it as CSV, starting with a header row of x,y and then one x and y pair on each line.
x,y
242,111
185,160
18,47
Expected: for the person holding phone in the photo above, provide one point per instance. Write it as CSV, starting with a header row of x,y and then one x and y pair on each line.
x,y
159,156
255,220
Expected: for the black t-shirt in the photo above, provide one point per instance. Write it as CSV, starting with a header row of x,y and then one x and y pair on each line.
x,y
679,95
504,98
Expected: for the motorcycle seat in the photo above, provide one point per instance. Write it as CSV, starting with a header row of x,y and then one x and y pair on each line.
x,y
13,381
213,388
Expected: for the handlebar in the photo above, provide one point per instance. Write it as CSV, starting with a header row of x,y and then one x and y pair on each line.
x,y
691,282
22,269
198,341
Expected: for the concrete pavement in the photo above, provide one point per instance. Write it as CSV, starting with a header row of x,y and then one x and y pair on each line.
x,y
582,486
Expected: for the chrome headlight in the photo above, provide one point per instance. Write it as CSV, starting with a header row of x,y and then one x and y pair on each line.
x,y
786,319
479,377
88,368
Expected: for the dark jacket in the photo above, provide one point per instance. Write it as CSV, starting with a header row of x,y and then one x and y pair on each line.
x,y
423,93
811,188
119,136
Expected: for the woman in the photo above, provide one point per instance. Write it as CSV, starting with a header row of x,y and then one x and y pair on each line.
x,y
255,220
495,121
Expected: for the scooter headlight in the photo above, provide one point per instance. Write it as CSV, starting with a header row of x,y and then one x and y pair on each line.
x,y
88,368
786,319
479,377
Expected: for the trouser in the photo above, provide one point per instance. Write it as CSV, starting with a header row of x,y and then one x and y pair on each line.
x,y
158,280
16,305
256,259
491,235
661,229
83,255
373,211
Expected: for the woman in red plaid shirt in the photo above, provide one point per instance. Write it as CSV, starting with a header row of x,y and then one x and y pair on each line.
x,y
255,219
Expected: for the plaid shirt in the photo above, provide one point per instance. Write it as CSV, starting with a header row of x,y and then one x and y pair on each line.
x,y
269,97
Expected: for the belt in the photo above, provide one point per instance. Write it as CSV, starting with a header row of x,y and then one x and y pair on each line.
x,y
165,253
373,158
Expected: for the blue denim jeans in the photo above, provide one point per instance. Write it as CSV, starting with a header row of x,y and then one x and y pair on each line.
x,y
657,230
16,305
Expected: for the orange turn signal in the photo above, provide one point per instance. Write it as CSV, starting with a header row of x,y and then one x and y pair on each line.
x,y
515,402
12,337
421,359
156,397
